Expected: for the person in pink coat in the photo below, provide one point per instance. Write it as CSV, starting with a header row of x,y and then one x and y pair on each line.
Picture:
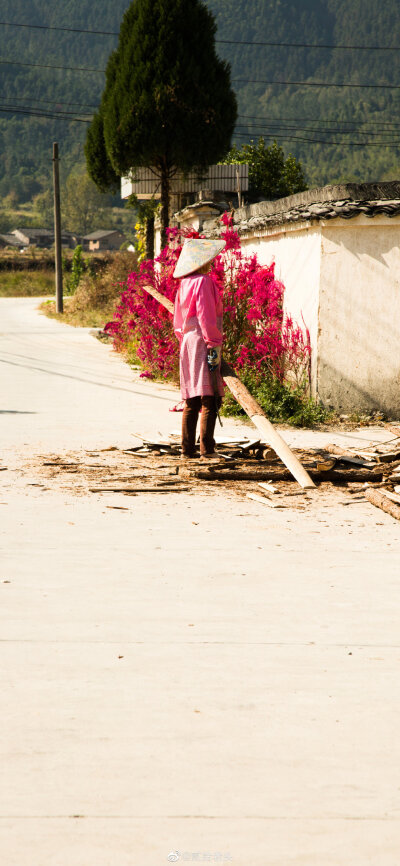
x,y
198,326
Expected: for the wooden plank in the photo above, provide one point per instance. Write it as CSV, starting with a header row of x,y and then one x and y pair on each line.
x,y
393,429
165,489
264,500
345,456
388,456
264,426
268,486
213,473
380,500
393,496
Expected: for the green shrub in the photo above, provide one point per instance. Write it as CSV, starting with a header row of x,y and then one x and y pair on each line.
x,y
280,401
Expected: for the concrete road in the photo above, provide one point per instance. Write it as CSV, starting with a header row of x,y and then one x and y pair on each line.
x,y
195,679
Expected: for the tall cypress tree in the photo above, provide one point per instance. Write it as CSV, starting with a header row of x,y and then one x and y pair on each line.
x,y
167,103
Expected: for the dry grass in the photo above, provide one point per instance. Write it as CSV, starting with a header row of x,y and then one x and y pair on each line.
x,y
93,303
18,284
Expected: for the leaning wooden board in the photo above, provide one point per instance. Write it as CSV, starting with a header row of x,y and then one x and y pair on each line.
x,y
252,409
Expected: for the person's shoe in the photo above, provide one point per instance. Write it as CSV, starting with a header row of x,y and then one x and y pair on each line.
x,y
188,457
212,458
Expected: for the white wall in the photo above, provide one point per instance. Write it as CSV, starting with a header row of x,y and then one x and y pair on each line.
x,y
342,278
359,341
342,281
296,252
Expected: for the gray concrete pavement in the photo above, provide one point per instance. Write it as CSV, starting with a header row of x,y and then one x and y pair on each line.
x,y
195,674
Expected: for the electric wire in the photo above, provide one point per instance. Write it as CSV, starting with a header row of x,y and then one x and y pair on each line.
x,y
317,120
315,84
271,126
70,116
265,123
325,141
6,62
46,101
324,46
55,116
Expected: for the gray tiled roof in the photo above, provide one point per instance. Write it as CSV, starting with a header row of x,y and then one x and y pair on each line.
x,y
96,236
341,200
35,233
11,240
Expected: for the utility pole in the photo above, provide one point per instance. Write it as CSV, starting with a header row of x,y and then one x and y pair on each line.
x,y
57,230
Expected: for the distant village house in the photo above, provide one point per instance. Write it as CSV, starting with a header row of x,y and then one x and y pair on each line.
x,y
103,240
42,238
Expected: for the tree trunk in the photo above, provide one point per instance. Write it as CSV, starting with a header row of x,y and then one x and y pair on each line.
x,y
150,237
164,204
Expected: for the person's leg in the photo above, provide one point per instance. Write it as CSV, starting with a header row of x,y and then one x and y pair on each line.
x,y
207,424
189,424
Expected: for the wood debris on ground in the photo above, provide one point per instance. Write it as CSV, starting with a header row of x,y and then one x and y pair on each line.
x,y
247,467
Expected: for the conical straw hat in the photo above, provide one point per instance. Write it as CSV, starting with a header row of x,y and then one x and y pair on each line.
x,y
196,252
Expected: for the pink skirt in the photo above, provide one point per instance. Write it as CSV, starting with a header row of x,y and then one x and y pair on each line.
x,y
195,377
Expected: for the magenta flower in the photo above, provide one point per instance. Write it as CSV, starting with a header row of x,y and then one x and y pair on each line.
x,y
256,333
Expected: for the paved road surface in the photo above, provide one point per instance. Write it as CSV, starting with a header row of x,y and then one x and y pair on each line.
x,y
196,674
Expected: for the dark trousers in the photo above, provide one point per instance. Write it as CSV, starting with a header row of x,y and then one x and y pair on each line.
x,y
207,425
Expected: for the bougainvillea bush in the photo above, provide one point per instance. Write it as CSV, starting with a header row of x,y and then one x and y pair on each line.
x,y
263,344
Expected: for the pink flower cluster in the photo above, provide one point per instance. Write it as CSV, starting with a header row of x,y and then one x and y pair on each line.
x,y
257,335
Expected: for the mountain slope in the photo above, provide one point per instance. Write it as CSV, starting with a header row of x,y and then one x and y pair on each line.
x,y
327,128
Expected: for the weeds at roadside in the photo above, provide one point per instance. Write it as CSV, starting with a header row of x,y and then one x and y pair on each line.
x,y
18,284
281,402
94,299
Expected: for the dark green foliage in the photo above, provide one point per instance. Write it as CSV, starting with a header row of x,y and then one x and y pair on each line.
x,y
167,103
99,166
271,175
78,268
170,101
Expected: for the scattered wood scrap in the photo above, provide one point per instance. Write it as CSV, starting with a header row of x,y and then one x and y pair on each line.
x,y
247,466
394,428
266,485
278,472
393,496
380,500
265,501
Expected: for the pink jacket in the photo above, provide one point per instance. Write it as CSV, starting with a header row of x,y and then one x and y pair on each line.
x,y
198,326
198,296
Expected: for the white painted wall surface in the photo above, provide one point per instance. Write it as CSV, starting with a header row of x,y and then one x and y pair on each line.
x,y
296,251
342,281
359,341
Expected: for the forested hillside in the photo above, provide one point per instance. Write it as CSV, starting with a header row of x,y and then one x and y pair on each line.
x,y
339,133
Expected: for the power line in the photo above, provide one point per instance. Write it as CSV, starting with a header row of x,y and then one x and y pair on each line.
x,y
258,128
32,108
30,113
50,66
235,80
261,130
315,84
66,115
61,29
46,101
309,45
318,120
325,141
219,41
257,117
59,116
